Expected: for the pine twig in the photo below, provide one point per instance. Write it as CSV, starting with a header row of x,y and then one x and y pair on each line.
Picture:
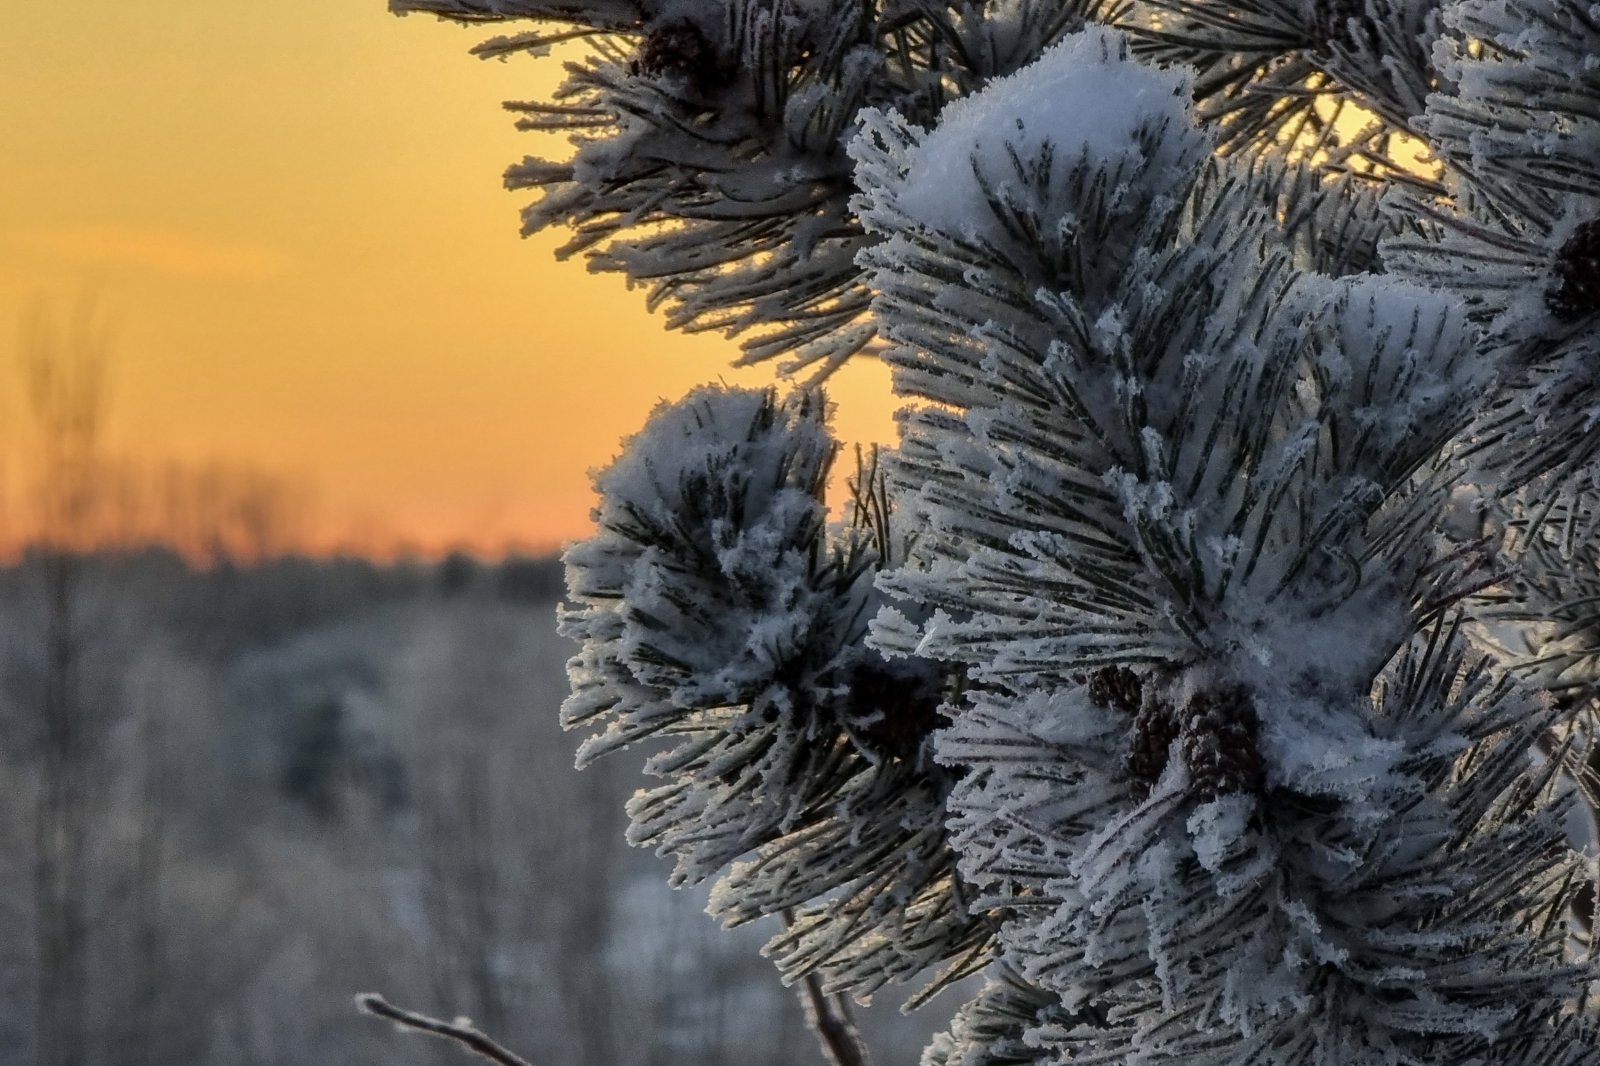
x,y
829,1018
461,1032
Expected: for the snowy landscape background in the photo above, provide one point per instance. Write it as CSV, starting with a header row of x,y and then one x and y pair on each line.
x,y
303,779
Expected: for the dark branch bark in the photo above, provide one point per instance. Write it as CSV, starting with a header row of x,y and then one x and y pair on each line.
x,y
462,1033
829,1017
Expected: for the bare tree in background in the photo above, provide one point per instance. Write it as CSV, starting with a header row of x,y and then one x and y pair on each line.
x,y
115,914
516,930
64,371
218,512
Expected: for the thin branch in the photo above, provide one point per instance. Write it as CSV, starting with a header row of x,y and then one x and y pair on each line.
x,y
462,1032
829,1017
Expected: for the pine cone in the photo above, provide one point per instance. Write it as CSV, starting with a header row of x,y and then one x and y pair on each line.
x,y
1155,727
1576,290
1330,22
892,711
1116,688
680,50
1219,743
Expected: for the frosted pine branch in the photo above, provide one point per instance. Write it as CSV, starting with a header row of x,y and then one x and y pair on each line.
x,y
1209,661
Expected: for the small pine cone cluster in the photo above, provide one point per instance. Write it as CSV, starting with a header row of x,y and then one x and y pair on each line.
x,y
1575,292
893,711
1155,727
678,50
1220,743
1217,730
1331,21
1116,688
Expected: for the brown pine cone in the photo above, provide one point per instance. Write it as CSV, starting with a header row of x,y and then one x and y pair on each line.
x,y
1116,688
1576,289
1219,743
1155,727
892,711
1331,22
681,50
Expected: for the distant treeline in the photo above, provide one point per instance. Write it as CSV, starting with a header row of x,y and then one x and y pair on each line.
x,y
225,607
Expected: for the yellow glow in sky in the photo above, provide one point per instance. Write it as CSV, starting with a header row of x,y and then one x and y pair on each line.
x,y
290,216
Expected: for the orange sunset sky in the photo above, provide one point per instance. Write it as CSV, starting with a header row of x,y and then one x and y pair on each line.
x,y
288,217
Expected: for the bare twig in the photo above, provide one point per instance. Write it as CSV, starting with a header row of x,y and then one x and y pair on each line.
x,y
462,1032
829,1017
